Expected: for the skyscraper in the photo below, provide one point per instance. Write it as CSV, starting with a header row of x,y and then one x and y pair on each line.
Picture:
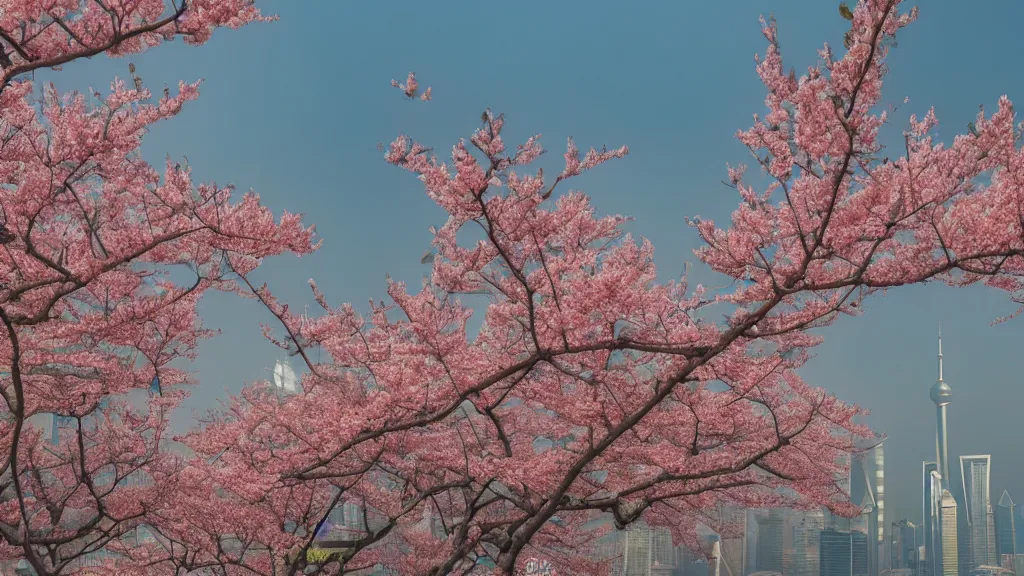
x,y
1019,517
806,535
950,558
284,377
646,551
867,489
835,553
859,557
938,537
932,507
880,498
714,559
903,546
769,542
750,537
975,472
1006,532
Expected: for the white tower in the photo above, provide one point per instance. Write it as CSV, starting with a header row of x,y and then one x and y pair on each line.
x,y
941,395
284,377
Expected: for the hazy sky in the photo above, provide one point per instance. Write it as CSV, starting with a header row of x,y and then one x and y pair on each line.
x,y
294,110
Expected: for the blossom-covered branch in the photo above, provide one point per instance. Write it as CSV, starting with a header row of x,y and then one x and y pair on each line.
x,y
95,308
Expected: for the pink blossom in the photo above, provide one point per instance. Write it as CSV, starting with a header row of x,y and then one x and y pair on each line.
x,y
411,88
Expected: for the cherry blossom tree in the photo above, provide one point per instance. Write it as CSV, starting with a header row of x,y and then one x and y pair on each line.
x,y
103,260
590,391
591,388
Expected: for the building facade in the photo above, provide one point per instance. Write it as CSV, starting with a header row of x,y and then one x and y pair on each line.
x,y
932,509
975,473
806,543
1006,531
835,553
770,546
903,546
949,555
867,489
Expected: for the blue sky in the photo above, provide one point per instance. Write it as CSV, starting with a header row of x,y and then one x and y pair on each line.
x,y
294,110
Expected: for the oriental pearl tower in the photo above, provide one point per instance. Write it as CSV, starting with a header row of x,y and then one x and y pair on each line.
x,y
941,395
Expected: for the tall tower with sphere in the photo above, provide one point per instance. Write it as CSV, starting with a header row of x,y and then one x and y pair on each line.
x,y
941,395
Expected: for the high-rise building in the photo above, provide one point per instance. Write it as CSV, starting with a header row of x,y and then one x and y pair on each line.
x,y
867,489
975,472
950,558
1019,519
643,550
58,423
835,553
860,545
715,558
922,562
647,551
940,528
692,563
880,498
770,542
284,377
750,538
1006,531
903,548
931,509
806,542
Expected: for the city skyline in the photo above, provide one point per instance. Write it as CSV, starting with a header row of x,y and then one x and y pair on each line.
x,y
961,527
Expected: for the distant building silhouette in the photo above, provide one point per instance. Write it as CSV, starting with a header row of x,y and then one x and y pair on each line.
x,y
770,542
750,539
950,557
976,471
843,553
1006,532
1019,519
860,545
932,509
903,546
642,550
284,377
867,489
806,543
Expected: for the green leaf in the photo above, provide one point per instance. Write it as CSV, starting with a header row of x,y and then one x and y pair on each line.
x,y
845,12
